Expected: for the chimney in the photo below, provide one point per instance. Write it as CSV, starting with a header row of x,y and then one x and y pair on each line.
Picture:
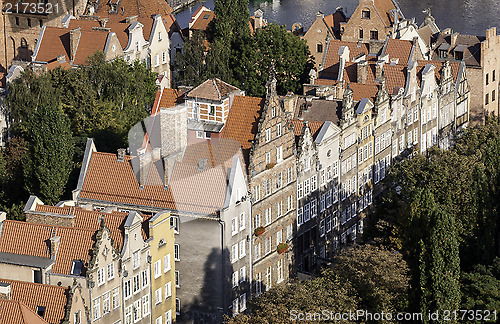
x,y
344,56
173,137
144,165
319,14
5,292
121,154
54,246
454,37
74,39
491,32
61,59
289,102
3,216
379,67
312,76
362,71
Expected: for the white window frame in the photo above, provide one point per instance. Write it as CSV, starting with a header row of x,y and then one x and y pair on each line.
x,y
166,263
157,268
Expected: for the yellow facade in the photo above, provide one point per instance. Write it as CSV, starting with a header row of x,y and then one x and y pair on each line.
x,y
162,267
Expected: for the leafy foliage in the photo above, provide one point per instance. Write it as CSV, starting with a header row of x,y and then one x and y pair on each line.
x,y
363,277
481,287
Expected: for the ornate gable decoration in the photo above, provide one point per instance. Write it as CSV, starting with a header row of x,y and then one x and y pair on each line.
x,y
306,147
347,106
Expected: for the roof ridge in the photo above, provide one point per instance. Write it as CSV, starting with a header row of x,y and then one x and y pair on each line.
x,y
216,87
48,226
33,283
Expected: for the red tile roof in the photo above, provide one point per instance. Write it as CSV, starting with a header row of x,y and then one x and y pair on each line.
x,y
243,121
361,91
299,124
75,244
202,21
384,7
141,8
55,42
332,58
110,180
212,89
395,76
12,311
90,42
54,298
397,48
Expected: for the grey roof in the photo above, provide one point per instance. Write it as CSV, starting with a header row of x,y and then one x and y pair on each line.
x,y
201,125
318,110
363,105
25,260
460,48
444,47
130,219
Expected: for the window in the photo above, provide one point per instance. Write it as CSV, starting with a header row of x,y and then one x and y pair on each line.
x,y
29,22
300,219
242,248
268,279
208,135
243,274
289,203
100,276
258,283
300,191
279,271
307,186
127,289
268,216
289,232
279,237
235,306
178,306
234,226
242,221
199,134
111,271
106,302
177,279
268,245
137,311
212,110
365,14
257,220
168,317
256,193
268,157
145,305
319,48
158,296
459,55
96,313
128,315
273,111
322,202
307,213
290,174
157,268
164,57
257,252
314,183
168,290
17,21
166,262
322,177
234,253
234,279
268,135
116,298
177,256
314,206
279,154
493,96
487,79
159,36
174,223
360,33
77,317
322,228
243,302
136,284
278,130
279,209
157,59
486,99
328,223
335,169
307,163
158,320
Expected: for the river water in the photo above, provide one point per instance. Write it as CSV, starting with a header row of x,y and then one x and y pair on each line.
x,y
465,16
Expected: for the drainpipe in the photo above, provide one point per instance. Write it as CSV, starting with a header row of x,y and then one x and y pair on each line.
x,y
150,290
223,227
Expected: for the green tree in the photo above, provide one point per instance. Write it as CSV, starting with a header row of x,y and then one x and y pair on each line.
x,y
481,287
190,63
50,158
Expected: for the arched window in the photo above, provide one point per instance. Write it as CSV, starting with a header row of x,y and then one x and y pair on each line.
x,y
24,44
360,33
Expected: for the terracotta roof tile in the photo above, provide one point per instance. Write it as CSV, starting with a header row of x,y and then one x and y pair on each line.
x,y
141,8
243,121
76,244
384,7
330,69
55,42
397,48
12,311
110,180
54,298
204,18
90,42
361,91
315,126
55,64
212,89
395,77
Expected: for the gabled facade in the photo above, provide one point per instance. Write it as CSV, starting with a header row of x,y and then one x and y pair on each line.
x,y
273,181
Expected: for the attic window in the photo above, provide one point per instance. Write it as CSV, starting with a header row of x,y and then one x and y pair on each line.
x,y
374,34
206,17
77,267
360,33
159,36
40,310
365,14
319,48
459,55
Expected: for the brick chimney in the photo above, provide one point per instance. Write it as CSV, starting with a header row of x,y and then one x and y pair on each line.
x,y
5,291
3,216
454,37
54,246
61,59
379,67
121,154
362,71
74,39
258,18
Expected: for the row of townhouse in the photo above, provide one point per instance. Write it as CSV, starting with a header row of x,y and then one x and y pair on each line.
x,y
113,267
360,115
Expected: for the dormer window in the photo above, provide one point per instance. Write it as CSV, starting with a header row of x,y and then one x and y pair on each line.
x,y
40,311
374,35
365,14
319,48
459,56
442,54
206,17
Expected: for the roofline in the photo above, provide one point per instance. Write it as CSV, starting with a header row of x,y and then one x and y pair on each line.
x,y
40,39
229,187
89,149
